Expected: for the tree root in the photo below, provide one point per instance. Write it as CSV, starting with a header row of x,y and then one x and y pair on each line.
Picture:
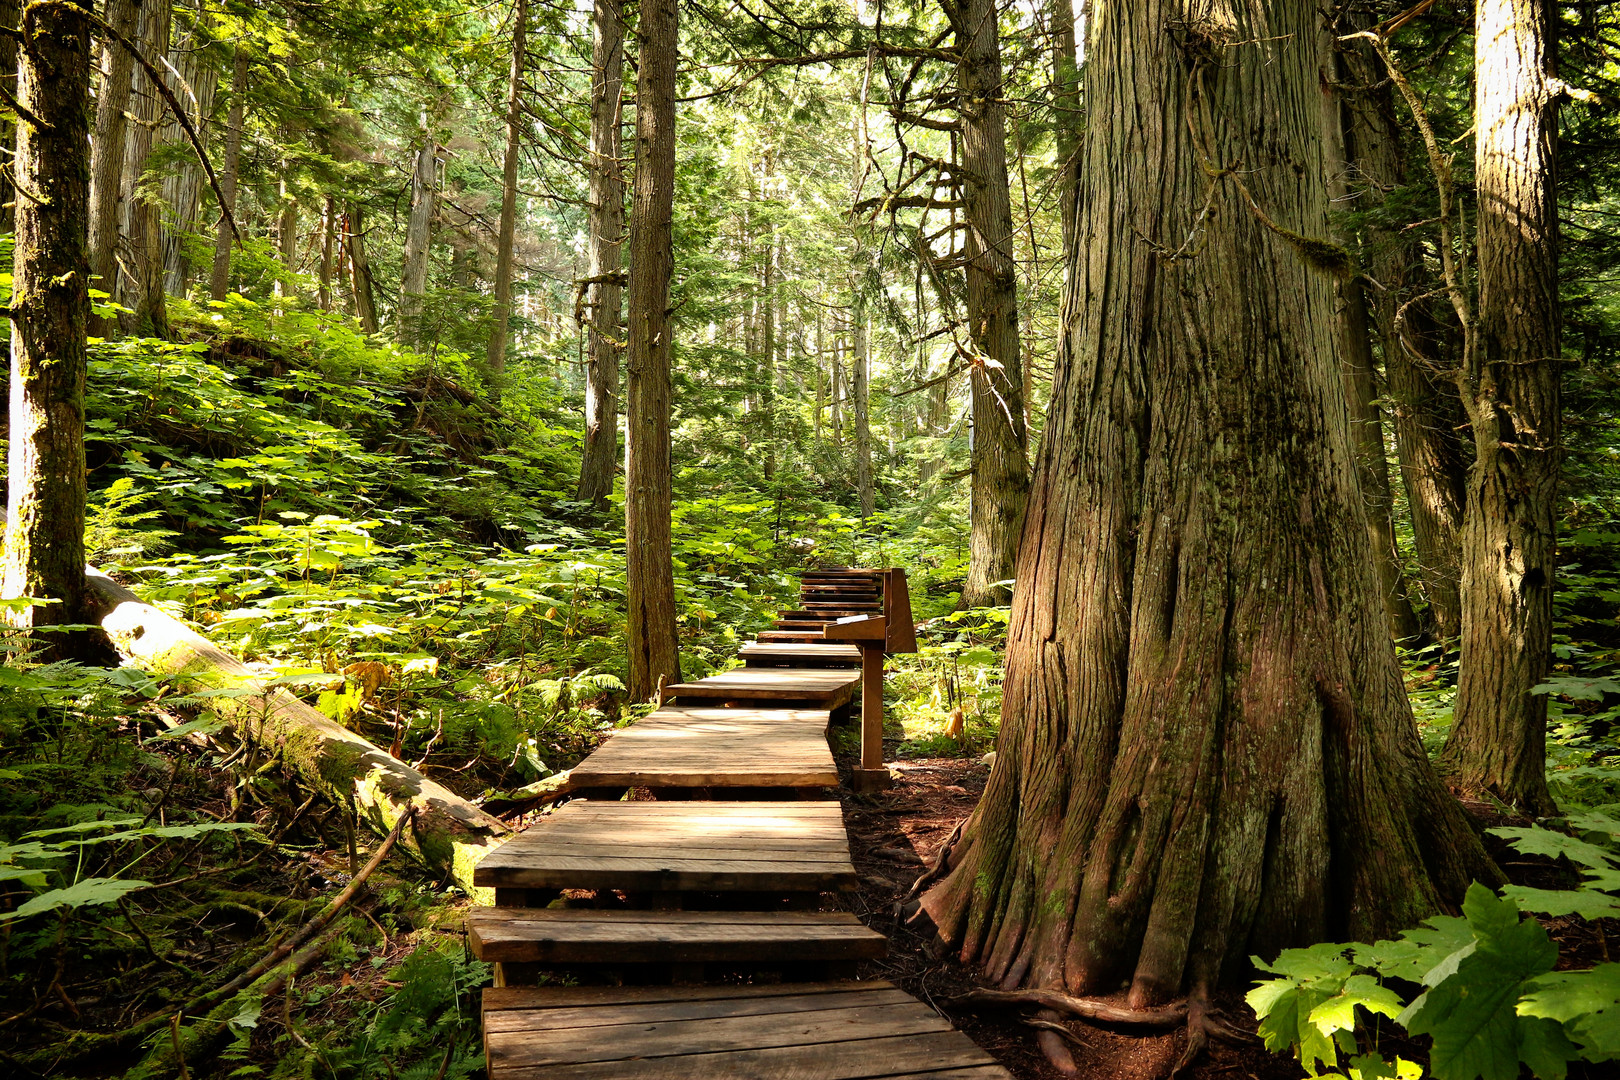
x,y
1194,1014
937,868
1053,1039
1165,1016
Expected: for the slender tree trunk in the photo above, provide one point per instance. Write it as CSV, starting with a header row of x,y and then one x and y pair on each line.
x,y
837,392
766,377
496,353
145,297
219,282
604,296
1000,465
651,571
194,86
1511,371
106,149
1069,117
287,227
1206,749
419,233
365,293
1356,333
50,306
861,380
821,384
323,292
1426,410
10,16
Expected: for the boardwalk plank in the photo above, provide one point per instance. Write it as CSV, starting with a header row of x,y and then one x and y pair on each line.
x,y
583,936
697,746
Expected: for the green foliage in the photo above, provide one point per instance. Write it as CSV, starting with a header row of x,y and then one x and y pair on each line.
x,y
1481,986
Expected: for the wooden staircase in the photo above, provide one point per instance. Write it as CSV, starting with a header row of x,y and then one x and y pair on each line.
x,y
726,872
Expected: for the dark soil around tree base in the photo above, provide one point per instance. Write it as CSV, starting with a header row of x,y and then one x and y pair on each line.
x,y
896,835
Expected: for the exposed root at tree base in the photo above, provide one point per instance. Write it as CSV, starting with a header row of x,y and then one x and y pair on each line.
x,y
1194,1014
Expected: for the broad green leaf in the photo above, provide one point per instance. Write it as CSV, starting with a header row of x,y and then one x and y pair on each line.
x,y
1338,1013
86,893
1538,841
1587,1003
1587,903
1471,1014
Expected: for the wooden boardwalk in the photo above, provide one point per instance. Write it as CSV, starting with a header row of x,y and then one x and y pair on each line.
x,y
685,887
691,746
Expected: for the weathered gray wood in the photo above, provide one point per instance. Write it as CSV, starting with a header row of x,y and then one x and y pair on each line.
x,y
584,936
449,833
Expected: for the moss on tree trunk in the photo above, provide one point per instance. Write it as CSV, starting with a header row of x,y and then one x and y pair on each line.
x,y
50,306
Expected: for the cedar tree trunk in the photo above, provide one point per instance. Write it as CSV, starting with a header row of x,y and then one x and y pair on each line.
x,y
419,234
1000,465
1425,408
1206,748
365,291
1510,532
219,282
651,571
604,296
496,353
50,306
1356,333
146,299
861,397
107,150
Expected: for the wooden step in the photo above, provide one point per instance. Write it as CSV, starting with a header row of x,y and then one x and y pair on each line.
x,y
823,687
803,625
809,1031
818,618
693,746
743,847
841,605
584,936
783,637
791,654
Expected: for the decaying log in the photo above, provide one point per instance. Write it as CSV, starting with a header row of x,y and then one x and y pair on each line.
x,y
448,833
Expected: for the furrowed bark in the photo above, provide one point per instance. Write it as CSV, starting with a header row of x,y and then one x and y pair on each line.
x,y
1425,409
107,151
647,494
365,292
861,397
1000,464
143,294
219,282
496,352
1356,334
50,306
604,297
1206,748
449,834
419,233
1511,376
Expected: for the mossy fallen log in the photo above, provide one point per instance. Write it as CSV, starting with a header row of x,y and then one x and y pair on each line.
x,y
449,834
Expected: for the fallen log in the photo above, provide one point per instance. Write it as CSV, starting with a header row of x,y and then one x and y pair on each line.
x,y
448,833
